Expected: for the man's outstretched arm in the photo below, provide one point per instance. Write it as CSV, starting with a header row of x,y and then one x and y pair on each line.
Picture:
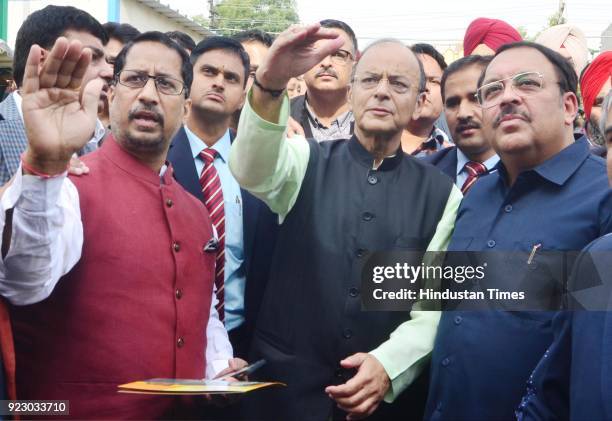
x,y
262,159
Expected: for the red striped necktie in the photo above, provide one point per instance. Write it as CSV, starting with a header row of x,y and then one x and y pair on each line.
x,y
213,200
474,170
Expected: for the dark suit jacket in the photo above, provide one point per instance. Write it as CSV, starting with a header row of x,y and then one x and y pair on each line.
x,y
445,160
300,114
574,379
259,227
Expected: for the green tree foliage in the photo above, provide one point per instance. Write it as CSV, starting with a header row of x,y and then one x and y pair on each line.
x,y
231,16
556,19
523,31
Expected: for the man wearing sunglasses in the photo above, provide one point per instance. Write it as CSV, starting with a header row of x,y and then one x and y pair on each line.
x,y
324,112
547,195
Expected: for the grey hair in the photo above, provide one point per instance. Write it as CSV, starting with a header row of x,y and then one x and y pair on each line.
x,y
422,80
606,107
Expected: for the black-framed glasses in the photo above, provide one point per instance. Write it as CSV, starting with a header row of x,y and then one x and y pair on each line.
x,y
523,84
341,56
397,84
164,84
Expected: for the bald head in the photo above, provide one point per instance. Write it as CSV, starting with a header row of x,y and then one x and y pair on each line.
x,y
394,46
385,94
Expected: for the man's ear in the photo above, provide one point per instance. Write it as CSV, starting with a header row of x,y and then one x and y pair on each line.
x,y
111,95
418,108
570,107
186,108
243,98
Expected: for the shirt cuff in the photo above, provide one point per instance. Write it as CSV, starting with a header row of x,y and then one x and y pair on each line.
x,y
28,189
248,113
404,355
214,367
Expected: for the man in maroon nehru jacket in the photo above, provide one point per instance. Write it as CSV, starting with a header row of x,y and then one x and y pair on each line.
x,y
139,303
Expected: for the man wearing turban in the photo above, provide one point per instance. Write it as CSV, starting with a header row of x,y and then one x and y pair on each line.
x,y
594,85
484,36
569,41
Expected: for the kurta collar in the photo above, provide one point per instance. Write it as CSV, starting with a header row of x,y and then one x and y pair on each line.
x,y
362,155
128,163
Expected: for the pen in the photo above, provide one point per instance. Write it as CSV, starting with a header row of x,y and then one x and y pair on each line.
x,y
239,203
534,250
244,371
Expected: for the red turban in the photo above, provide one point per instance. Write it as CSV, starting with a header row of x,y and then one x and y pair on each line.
x,y
492,32
594,78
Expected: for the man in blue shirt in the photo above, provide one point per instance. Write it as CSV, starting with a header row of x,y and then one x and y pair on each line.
x,y
221,69
546,195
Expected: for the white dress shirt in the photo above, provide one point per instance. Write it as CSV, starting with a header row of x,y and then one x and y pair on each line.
x,y
46,242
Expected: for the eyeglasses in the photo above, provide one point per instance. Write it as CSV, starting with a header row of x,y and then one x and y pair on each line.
x,y
341,56
523,84
164,84
396,83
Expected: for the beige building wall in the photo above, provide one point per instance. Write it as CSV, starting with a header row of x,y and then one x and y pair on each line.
x,y
131,11
147,19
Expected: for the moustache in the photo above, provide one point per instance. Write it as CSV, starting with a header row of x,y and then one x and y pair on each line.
x,y
148,112
466,125
216,92
509,110
328,71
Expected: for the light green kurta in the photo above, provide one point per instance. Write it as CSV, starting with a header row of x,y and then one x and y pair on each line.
x,y
272,167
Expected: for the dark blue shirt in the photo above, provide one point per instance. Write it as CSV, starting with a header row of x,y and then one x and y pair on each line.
x,y
574,378
482,360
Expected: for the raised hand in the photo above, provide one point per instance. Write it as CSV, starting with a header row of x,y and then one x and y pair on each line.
x,y
294,52
59,118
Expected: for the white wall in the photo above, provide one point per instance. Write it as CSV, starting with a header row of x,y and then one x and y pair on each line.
x,y
131,11
19,10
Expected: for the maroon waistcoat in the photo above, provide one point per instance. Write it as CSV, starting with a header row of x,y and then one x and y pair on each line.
x,y
136,305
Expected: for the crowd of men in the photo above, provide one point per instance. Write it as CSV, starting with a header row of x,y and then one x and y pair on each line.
x,y
168,211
